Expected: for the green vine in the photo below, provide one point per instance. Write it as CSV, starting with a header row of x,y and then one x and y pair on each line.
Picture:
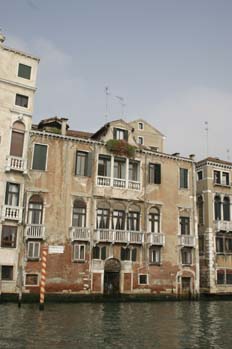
x,y
120,147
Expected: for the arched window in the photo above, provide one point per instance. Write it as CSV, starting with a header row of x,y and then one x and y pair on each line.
x,y
226,209
17,139
200,210
217,207
35,210
154,220
79,214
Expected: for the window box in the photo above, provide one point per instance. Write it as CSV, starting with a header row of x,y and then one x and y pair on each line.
x,y
120,147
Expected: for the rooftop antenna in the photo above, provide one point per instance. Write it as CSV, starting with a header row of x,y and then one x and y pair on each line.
x,y
228,154
122,102
207,137
107,94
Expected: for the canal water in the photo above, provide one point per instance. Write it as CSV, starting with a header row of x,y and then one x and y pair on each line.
x,y
163,325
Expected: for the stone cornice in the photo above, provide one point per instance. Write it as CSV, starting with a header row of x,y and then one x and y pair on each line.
x,y
18,84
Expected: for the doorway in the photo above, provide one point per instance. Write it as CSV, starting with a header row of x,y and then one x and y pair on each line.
x,y
186,287
112,277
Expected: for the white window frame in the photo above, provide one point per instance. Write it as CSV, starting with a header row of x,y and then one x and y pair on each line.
x,y
155,247
47,145
139,283
38,280
183,188
142,138
140,123
20,106
33,257
78,245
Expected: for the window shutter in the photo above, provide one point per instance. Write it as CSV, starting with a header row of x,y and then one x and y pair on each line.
x,y
126,135
114,133
89,164
39,158
16,148
157,173
134,252
103,253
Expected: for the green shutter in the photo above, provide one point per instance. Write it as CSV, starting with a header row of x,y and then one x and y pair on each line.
x,y
40,157
157,173
89,164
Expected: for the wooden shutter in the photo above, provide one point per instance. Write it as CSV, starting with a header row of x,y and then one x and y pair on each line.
x,y
17,140
126,135
89,164
40,157
157,173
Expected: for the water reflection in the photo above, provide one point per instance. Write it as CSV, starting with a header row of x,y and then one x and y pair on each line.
x,y
160,325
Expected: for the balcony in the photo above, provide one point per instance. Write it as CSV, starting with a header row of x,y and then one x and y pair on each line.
x,y
121,236
223,225
186,240
13,213
117,183
156,239
79,233
14,163
35,231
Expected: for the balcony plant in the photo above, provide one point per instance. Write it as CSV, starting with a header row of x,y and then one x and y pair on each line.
x,y
120,147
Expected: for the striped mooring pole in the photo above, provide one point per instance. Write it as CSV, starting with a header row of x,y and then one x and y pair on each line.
x,y
43,279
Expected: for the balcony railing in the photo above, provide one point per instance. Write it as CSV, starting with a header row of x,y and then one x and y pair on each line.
x,y
35,231
16,164
123,236
117,183
12,213
186,240
223,225
156,239
79,233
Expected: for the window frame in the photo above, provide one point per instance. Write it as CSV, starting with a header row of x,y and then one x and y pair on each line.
x,y
140,140
7,192
81,216
29,285
130,254
183,178
154,173
140,123
151,259
118,130
12,273
33,243
24,65
184,225
13,243
78,259
143,283
20,96
32,160
184,260
101,256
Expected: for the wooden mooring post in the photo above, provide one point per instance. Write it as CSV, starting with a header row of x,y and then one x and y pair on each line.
x,y
43,279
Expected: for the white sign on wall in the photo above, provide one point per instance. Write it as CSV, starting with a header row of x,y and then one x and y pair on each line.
x,y
55,249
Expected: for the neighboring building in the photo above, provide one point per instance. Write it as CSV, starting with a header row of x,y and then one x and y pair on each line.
x,y
214,197
115,215
17,88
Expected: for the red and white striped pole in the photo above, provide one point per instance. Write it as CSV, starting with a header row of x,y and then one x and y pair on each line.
x,y
43,279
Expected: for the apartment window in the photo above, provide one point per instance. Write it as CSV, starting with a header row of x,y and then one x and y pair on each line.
x,y
220,277
224,276
183,178
186,255
79,214
219,244
120,134
140,140
119,168
140,126
154,173
228,277
35,210
24,71
39,157
133,221
17,139
155,255
184,225
200,210
104,166
217,207
32,280
143,279
134,171
103,218
9,235
118,221
154,220
100,252
128,254
199,175
12,194
222,178
217,177
33,249
225,178
83,163
21,100
78,252
226,209
7,272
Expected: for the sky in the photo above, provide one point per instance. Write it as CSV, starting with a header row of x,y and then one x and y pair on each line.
x,y
169,59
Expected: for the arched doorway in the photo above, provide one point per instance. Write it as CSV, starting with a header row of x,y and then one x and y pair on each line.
x,y
112,276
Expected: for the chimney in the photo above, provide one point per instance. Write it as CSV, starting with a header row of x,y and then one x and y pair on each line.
x,y
64,126
176,154
192,157
2,38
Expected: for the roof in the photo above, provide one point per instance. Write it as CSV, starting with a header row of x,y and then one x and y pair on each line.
x,y
216,160
79,134
20,53
104,128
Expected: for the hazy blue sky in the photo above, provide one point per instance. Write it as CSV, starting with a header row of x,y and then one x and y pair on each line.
x,y
170,59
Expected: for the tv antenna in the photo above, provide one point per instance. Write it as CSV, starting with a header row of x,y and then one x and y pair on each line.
x,y
207,137
228,154
107,94
122,103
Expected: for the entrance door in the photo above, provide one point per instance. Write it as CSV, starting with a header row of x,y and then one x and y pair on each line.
x,y
186,286
112,276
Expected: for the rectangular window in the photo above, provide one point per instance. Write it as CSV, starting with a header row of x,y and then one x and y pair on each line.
x,y
134,171
79,217
12,194
143,279
104,166
225,178
217,177
32,280
7,272
24,71
39,157
118,220
140,126
186,254
133,221
228,277
140,140
183,178
228,243
220,277
21,100
79,252
120,134
83,164
9,234
199,175
219,244
103,218
184,225
154,173
155,255
17,141
128,254
119,168
100,252
33,249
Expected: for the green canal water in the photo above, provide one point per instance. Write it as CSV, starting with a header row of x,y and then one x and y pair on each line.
x,y
160,325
